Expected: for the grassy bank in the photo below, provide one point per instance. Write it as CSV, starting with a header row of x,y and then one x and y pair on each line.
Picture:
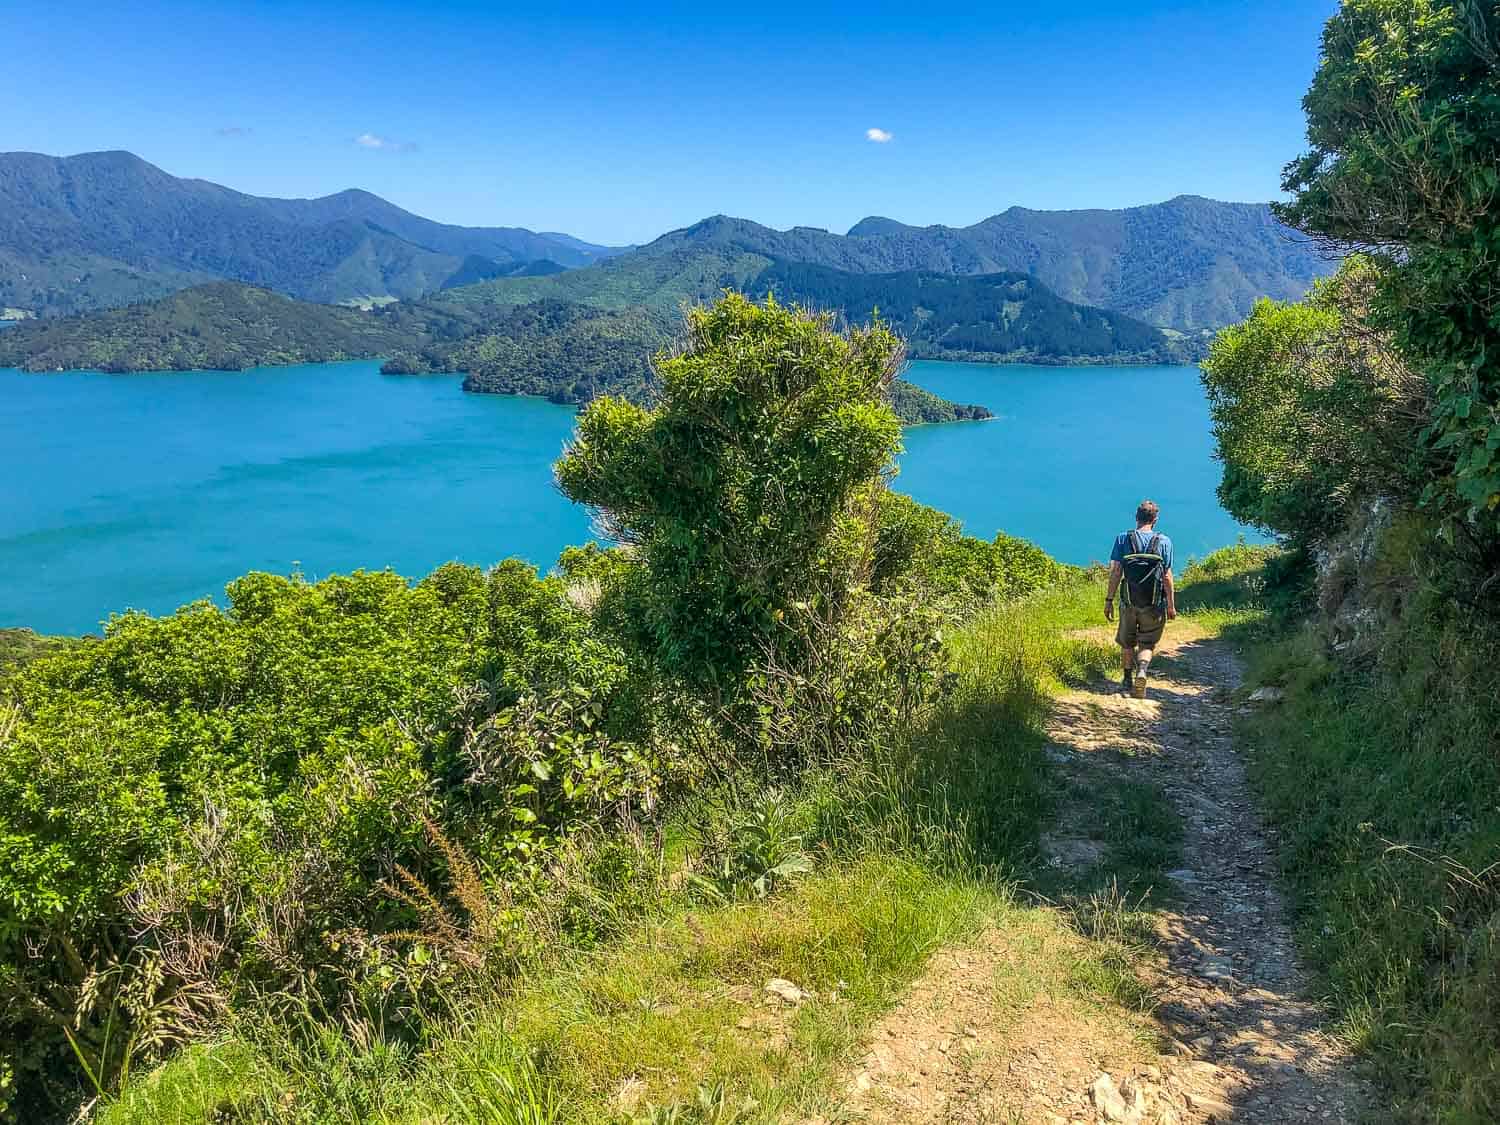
x,y
1381,773
917,849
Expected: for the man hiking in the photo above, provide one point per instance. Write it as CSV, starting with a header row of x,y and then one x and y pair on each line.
x,y
1140,569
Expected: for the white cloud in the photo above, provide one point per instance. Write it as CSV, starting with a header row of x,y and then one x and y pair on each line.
x,y
879,136
375,140
234,131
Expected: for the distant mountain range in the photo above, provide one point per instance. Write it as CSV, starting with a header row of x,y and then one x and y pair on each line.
x,y
1187,264
1000,317
218,279
104,229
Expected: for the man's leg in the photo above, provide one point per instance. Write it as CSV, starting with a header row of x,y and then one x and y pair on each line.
x,y
1148,639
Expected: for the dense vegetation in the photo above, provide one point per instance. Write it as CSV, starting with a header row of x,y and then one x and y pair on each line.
x,y
555,349
19,647
1363,425
351,804
106,228
916,406
572,353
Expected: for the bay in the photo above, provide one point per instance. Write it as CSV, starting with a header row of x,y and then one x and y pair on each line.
x,y
1069,455
150,491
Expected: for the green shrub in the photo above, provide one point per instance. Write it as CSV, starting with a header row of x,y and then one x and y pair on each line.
x,y
1313,412
922,548
746,489
1403,120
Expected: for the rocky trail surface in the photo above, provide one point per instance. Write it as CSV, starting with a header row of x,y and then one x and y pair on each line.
x,y
1226,1032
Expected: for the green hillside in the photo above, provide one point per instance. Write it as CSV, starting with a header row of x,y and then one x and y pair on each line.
x,y
222,326
567,352
990,317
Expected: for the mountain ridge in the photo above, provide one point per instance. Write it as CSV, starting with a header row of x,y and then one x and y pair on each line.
x,y
1189,263
102,229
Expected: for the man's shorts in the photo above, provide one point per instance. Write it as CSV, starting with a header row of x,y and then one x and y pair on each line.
x,y
1141,627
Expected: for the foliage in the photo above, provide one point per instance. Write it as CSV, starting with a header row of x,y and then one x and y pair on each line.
x,y
19,647
211,800
751,852
922,548
747,489
916,406
1313,411
1404,123
913,848
567,352
222,326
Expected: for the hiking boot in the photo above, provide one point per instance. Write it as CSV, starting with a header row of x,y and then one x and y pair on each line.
x,y
1138,685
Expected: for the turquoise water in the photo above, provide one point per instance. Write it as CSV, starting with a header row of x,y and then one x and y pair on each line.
x,y
1070,454
149,491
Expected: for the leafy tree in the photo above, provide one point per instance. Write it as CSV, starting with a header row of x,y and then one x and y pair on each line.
x,y
747,490
1313,410
1404,124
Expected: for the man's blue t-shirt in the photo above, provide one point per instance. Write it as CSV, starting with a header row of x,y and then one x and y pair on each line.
x,y
1133,542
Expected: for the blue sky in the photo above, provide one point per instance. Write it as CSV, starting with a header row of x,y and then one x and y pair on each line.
x,y
619,122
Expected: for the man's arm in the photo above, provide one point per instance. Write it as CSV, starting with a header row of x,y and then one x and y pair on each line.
x,y
1171,589
1116,572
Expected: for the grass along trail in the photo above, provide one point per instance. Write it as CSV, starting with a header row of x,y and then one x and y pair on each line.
x,y
1154,799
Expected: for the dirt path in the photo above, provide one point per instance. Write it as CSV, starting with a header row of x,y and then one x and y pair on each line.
x,y
1231,1037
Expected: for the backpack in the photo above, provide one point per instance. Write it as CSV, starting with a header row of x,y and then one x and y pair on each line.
x,y
1144,569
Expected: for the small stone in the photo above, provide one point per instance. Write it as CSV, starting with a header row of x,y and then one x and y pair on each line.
x,y
1207,1104
786,991
1107,1099
628,1096
1267,695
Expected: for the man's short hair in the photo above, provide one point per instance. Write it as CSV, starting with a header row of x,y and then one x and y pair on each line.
x,y
1146,513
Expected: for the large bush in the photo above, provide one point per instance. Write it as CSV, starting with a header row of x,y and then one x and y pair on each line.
x,y
922,549
747,489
